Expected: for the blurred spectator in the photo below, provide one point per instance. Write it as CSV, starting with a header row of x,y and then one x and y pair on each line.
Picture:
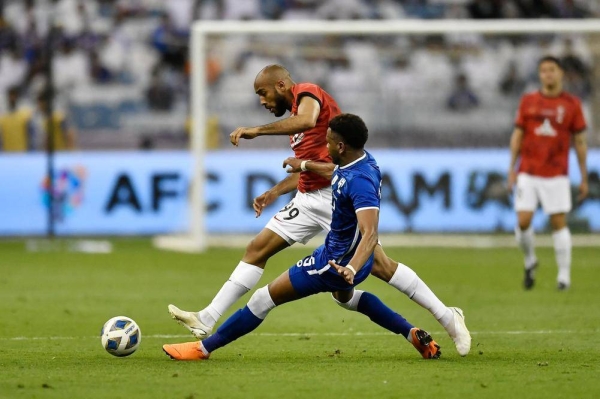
x,y
13,68
512,84
536,8
74,15
462,98
88,40
8,37
99,74
24,14
485,9
342,9
159,95
241,9
570,9
116,48
577,74
16,126
181,13
70,67
170,43
63,132
274,9
387,9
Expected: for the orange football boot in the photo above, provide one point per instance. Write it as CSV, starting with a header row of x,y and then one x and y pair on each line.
x,y
423,342
185,351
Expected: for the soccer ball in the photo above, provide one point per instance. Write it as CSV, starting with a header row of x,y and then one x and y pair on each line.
x,y
121,336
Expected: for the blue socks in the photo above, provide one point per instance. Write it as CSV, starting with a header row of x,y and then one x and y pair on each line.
x,y
371,306
244,321
240,323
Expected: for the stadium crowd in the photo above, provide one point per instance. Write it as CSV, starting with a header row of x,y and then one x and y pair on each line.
x,y
121,68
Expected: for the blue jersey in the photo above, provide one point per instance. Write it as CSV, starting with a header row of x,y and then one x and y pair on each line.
x,y
355,187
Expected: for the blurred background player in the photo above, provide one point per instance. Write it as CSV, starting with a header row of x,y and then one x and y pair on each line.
x,y
309,213
63,132
356,201
547,122
17,133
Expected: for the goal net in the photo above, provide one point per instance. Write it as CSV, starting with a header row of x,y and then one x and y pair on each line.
x,y
439,99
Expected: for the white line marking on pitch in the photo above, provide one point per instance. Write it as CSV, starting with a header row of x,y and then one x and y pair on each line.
x,y
314,334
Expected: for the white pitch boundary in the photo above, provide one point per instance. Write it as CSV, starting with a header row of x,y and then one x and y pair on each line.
x,y
315,334
450,240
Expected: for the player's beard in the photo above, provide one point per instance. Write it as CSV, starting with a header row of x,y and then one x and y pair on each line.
x,y
280,105
335,158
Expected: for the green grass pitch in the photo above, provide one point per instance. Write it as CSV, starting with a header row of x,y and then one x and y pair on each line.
x,y
538,344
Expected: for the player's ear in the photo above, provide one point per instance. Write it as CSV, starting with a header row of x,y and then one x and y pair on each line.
x,y
280,85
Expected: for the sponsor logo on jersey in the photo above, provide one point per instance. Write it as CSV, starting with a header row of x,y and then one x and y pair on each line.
x,y
545,129
297,139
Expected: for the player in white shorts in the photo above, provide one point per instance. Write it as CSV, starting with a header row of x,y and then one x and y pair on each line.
x,y
547,122
309,213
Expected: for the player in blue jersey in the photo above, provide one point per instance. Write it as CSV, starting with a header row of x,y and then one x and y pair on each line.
x,y
344,261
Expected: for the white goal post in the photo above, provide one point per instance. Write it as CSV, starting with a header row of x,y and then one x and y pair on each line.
x,y
196,239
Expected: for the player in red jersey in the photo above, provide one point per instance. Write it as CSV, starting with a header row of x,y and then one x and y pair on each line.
x,y
309,213
547,122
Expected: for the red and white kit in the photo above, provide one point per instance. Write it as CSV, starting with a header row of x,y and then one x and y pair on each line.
x,y
309,212
548,125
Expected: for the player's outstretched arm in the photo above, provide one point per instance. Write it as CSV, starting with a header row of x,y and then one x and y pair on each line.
x,y
368,222
580,144
295,165
306,118
285,186
515,149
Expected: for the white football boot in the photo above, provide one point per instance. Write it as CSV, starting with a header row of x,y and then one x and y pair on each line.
x,y
459,333
191,321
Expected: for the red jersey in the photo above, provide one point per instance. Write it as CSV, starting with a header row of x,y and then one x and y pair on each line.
x,y
312,144
548,124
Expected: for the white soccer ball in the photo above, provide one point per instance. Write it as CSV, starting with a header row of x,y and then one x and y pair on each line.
x,y
121,336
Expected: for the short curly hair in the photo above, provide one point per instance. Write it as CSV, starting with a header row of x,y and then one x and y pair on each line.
x,y
351,128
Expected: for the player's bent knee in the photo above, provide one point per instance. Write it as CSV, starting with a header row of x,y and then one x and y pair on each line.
x,y
260,303
384,268
352,304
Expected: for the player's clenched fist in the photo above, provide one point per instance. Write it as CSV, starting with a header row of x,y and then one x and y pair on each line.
x,y
242,133
294,165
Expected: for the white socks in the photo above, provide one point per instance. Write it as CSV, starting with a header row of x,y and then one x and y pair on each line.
x,y
261,303
243,279
352,304
407,282
562,251
525,239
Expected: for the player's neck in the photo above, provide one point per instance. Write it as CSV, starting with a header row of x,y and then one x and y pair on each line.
x,y
289,96
552,91
351,157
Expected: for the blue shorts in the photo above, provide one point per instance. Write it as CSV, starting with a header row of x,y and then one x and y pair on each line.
x,y
313,275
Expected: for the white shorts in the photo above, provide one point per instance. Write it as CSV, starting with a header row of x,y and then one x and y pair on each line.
x,y
553,192
304,217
